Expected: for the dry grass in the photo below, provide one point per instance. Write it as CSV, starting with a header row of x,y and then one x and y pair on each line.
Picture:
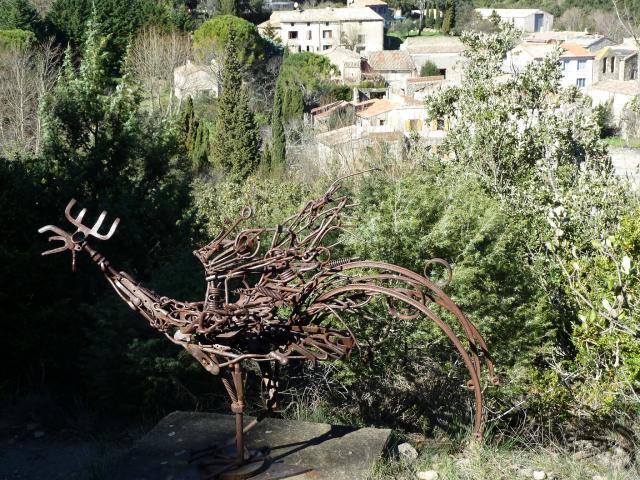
x,y
480,462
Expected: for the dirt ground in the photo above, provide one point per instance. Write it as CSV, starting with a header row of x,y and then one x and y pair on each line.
x,y
29,451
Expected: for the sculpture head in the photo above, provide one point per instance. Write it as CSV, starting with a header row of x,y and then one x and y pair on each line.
x,y
76,240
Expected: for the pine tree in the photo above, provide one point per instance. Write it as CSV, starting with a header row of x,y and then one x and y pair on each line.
x,y
278,149
235,143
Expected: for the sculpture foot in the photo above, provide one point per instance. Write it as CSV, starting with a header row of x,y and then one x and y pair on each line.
x,y
222,463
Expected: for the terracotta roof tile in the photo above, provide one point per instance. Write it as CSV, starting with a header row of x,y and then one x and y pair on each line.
x,y
388,60
378,107
574,50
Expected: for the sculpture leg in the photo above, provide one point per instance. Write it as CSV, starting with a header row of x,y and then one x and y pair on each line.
x,y
231,461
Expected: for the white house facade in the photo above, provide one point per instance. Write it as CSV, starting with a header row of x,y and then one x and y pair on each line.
x,y
577,62
319,29
525,19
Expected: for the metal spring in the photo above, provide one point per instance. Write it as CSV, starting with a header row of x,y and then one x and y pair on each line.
x,y
268,292
287,275
339,262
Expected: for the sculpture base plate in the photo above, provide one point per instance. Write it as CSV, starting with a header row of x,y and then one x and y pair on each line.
x,y
322,451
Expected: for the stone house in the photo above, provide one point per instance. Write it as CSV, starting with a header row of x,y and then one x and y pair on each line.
x,y
616,93
394,66
348,63
378,6
593,42
419,87
193,79
352,148
617,62
525,19
445,52
315,30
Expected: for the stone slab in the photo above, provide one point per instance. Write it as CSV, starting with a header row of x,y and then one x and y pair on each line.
x,y
333,452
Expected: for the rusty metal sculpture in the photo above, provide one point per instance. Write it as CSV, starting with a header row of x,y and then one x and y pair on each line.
x,y
276,295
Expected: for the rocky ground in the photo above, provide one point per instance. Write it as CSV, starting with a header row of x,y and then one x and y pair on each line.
x,y
31,450
582,461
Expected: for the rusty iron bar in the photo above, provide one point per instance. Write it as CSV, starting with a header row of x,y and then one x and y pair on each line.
x,y
275,295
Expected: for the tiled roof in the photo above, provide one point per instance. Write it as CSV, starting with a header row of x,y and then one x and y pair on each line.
x,y
441,44
625,87
328,15
574,50
621,52
541,50
429,79
340,53
190,68
391,60
368,3
326,110
583,39
509,12
378,107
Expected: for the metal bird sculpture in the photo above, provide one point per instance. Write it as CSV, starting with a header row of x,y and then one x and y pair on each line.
x,y
276,295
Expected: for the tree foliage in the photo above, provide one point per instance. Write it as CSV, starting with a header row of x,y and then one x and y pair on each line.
x,y
20,15
211,40
429,69
535,146
278,138
235,141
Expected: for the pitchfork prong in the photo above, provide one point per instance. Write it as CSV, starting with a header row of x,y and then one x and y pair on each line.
x,y
67,211
60,236
98,224
109,234
81,215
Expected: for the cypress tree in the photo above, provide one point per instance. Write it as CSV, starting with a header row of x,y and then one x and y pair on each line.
x,y
188,126
292,104
235,143
200,147
447,21
279,142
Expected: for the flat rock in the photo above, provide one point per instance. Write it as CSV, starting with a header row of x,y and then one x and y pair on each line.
x,y
331,451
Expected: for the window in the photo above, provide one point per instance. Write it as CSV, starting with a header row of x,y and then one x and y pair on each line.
x,y
308,24
326,47
309,35
327,34
612,64
564,64
604,65
581,82
307,48
381,122
414,125
293,34
360,38
582,64
327,24
440,124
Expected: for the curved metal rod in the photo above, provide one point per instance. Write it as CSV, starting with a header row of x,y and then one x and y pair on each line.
x,y
441,298
471,367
